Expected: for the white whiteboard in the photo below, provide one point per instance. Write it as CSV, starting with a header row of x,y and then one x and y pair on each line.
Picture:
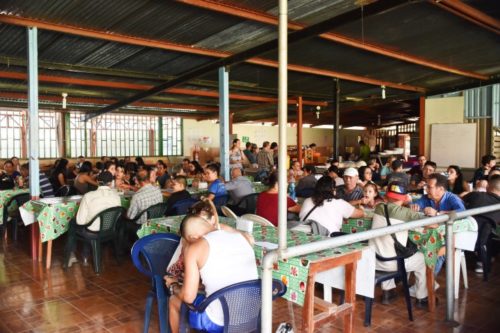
x,y
454,144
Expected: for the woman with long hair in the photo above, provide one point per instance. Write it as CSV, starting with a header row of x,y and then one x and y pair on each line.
x,y
84,180
323,208
236,156
456,182
58,175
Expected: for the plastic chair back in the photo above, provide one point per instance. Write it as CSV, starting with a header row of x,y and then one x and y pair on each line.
x,y
258,219
249,203
241,305
228,212
108,217
181,207
157,210
65,191
157,251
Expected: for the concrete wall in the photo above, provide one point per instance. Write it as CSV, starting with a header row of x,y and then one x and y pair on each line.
x,y
448,110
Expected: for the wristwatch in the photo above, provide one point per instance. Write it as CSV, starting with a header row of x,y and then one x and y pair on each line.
x,y
171,287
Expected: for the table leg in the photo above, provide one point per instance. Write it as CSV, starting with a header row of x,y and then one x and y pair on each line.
x,y
49,254
35,235
350,295
308,310
430,289
40,251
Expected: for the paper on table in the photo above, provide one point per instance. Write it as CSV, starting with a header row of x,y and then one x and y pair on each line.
x,y
267,245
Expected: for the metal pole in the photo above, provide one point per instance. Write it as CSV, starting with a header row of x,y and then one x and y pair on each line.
x,y
450,277
224,122
337,116
34,168
34,180
266,320
282,121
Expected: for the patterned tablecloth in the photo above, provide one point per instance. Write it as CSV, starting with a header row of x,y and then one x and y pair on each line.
x,y
5,196
257,186
293,271
53,215
429,241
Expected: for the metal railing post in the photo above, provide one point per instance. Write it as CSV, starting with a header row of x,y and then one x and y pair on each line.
x,y
266,316
450,276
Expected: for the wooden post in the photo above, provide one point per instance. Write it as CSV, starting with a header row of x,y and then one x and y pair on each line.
x,y
299,129
421,126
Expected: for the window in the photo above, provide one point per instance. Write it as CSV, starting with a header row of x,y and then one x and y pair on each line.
x,y
48,127
80,136
11,125
172,136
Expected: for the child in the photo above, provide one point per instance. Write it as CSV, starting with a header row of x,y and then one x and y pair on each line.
x,y
371,196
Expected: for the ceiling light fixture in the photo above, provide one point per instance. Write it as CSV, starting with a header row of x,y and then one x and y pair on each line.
x,y
318,109
383,91
64,95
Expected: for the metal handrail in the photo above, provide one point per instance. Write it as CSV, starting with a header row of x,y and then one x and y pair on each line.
x,y
299,250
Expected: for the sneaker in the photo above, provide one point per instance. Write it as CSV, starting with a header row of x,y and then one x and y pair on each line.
x,y
72,260
85,261
388,296
479,268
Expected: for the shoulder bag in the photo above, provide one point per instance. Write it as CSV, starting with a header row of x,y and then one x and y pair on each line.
x,y
401,250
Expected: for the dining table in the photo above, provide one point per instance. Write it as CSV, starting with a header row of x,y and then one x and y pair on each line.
x,y
198,192
298,273
53,216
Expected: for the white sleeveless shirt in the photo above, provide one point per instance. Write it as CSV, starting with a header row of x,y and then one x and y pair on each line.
x,y
230,260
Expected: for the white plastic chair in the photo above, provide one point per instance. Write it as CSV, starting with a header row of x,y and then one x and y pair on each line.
x,y
228,212
460,264
257,219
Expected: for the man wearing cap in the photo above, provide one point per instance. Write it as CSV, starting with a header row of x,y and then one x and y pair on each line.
x,y
396,197
93,203
351,191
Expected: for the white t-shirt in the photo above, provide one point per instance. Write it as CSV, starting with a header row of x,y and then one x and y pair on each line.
x,y
329,215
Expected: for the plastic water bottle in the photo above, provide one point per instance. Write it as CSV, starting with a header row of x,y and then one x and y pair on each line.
x,y
291,191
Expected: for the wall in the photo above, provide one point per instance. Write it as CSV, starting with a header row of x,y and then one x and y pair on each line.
x,y
448,110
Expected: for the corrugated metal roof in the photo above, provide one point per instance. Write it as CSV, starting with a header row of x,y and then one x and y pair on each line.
x,y
418,28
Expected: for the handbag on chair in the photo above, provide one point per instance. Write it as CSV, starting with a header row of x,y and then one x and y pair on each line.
x,y
401,250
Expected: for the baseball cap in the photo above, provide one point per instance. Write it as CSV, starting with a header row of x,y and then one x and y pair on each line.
x,y
351,172
397,190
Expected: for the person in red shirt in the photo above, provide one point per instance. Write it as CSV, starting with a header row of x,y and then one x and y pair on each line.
x,y
267,202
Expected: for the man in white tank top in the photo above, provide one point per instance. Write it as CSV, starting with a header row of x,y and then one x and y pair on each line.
x,y
220,258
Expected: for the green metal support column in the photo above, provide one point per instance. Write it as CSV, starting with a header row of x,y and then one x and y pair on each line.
x,y
160,136
224,121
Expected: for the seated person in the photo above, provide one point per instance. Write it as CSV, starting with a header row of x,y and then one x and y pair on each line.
x,y
333,172
365,175
46,190
351,191
371,196
487,222
93,203
85,181
323,208
387,168
267,202
397,174
488,163
438,201
456,182
418,169
122,181
162,175
8,169
295,172
375,167
147,196
396,197
238,188
419,181
306,184
179,192
219,258
216,188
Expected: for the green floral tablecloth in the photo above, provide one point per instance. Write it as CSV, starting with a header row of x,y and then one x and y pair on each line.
x,y
429,241
293,271
5,196
53,219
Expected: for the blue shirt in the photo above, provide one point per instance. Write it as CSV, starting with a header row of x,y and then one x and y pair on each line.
x,y
448,202
217,188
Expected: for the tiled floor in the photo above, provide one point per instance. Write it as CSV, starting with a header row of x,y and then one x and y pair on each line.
x,y
35,300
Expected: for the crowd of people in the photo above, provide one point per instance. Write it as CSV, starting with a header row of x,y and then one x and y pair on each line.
x,y
325,200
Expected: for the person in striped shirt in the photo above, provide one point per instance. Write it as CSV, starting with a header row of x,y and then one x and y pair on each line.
x,y
46,190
